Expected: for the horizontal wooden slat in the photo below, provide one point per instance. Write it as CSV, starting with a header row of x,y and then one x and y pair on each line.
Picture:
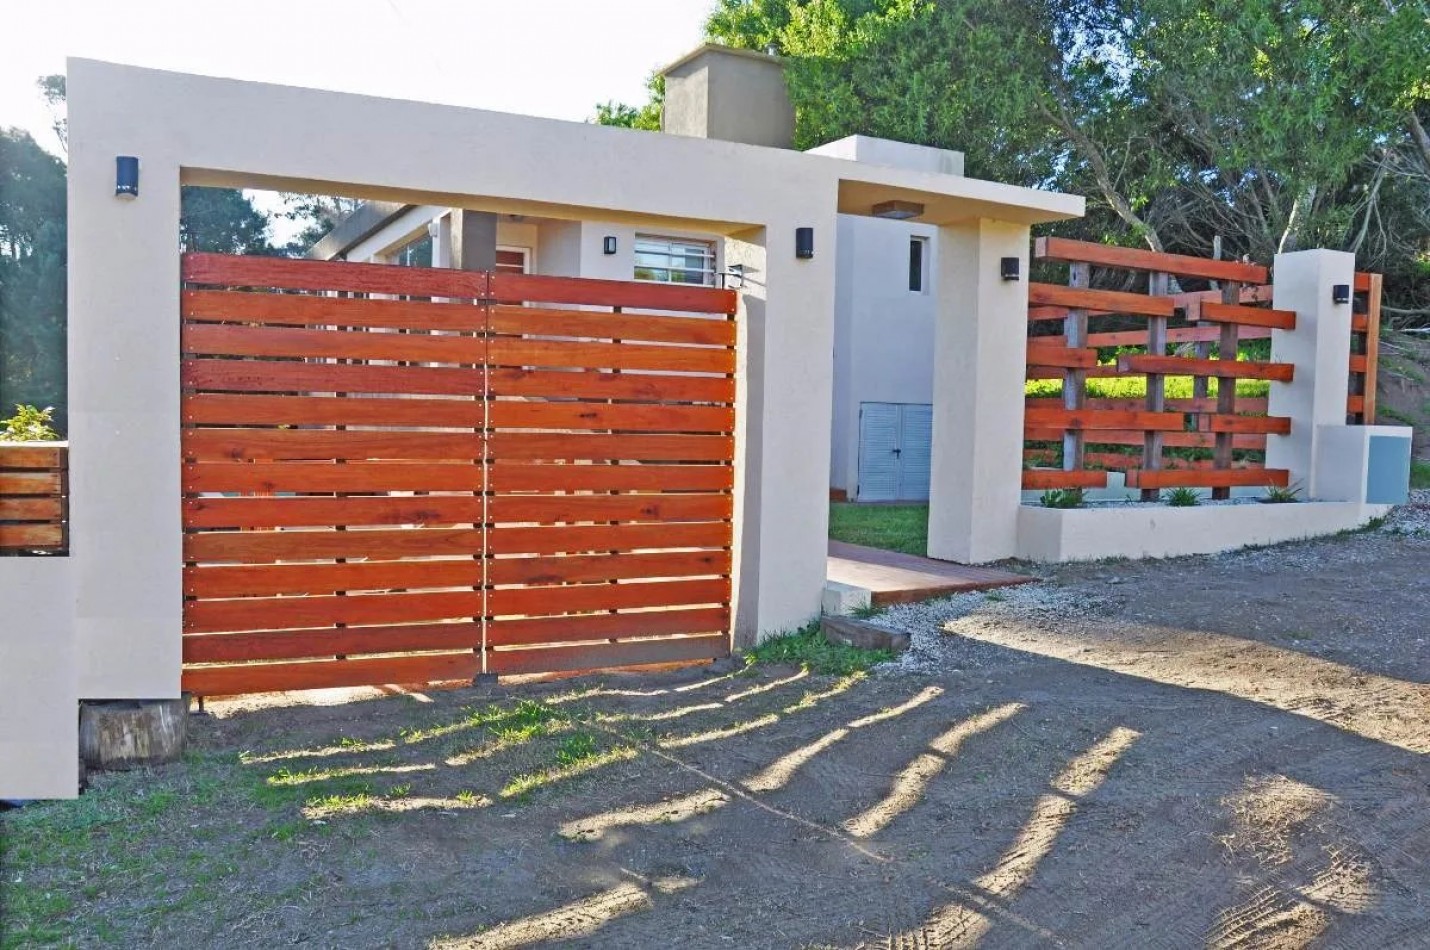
x,y
239,410
29,483
36,536
1362,281
260,613
1358,363
269,376
1227,369
1042,479
608,655
505,476
1249,316
273,579
1200,334
1129,258
1360,322
272,677
584,415
258,547
1076,419
270,477
582,598
1180,440
650,507
31,509
624,537
1355,404
513,288
224,340
1208,478
1054,354
300,644
298,512
648,623
293,274
324,311
218,445
1266,425
33,455
1113,301
651,328
444,509
642,447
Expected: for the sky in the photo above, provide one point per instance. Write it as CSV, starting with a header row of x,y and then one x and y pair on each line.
x,y
553,58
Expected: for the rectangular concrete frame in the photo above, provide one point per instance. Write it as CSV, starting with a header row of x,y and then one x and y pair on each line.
x,y
124,300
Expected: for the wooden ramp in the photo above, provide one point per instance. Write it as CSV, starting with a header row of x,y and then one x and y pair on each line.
x,y
894,578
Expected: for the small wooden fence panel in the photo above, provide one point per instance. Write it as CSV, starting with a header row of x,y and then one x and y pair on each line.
x,y
400,475
34,498
1164,333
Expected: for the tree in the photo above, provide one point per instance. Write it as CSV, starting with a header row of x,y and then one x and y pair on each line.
x,y
646,117
319,214
1267,123
32,273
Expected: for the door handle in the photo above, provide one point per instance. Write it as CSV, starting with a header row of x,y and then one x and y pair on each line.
x,y
896,452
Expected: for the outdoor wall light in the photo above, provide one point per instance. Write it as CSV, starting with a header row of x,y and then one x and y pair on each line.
x,y
126,176
736,272
897,210
1008,268
609,244
1341,293
804,243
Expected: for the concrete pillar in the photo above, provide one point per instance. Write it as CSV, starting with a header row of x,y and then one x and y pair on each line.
x,y
1319,348
474,240
785,393
980,361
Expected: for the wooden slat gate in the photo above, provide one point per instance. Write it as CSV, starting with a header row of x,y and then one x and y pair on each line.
x,y
404,475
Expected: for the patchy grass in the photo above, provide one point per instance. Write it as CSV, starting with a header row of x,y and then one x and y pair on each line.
x,y
1419,473
808,648
903,528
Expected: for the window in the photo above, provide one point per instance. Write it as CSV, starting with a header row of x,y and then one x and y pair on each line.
x,y
415,253
918,264
512,260
675,260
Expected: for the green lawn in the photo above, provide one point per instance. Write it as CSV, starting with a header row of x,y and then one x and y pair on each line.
x,y
1419,473
891,527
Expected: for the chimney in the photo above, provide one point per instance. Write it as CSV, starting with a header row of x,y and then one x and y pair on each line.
x,y
735,95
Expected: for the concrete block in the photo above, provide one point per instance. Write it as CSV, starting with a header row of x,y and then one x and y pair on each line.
x,y
865,636
845,598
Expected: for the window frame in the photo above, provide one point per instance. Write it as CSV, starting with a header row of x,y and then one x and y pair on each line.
x,y
675,248
918,264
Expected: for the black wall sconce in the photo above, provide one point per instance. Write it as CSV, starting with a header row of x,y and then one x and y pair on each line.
x,y
126,176
1008,268
1341,293
608,244
804,243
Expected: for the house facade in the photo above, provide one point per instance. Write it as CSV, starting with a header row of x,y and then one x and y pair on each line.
x,y
882,416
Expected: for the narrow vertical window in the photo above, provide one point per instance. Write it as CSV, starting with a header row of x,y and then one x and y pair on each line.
x,y
917,247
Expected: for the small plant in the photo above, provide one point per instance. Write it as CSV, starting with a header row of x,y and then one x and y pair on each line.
x,y
1064,498
1182,498
1276,495
29,424
865,611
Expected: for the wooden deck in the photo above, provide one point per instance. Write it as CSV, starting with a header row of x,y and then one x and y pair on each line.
x,y
894,578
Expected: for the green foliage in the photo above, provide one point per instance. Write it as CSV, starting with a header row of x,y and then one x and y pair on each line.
x,y
1064,498
223,221
1269,124
28,424
645,118
1182,498
1277,495
901,528
808,648
1135,387
1419,473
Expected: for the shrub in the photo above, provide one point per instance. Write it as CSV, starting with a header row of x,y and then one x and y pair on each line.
x,y
1182,498
1277,495
1064,498
29,424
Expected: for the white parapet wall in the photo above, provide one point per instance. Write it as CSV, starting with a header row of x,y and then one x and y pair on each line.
x,y
39,703
1153,531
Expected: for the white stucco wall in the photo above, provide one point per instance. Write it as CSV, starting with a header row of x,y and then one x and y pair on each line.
x,y
884,332
39,710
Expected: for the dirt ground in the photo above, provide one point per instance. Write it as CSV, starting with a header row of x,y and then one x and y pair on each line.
x,y
1225,752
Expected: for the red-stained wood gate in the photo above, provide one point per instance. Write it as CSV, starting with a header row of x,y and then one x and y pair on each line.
x,y
404,475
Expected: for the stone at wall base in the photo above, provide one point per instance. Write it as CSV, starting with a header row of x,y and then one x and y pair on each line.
x,y
132,733
865,636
